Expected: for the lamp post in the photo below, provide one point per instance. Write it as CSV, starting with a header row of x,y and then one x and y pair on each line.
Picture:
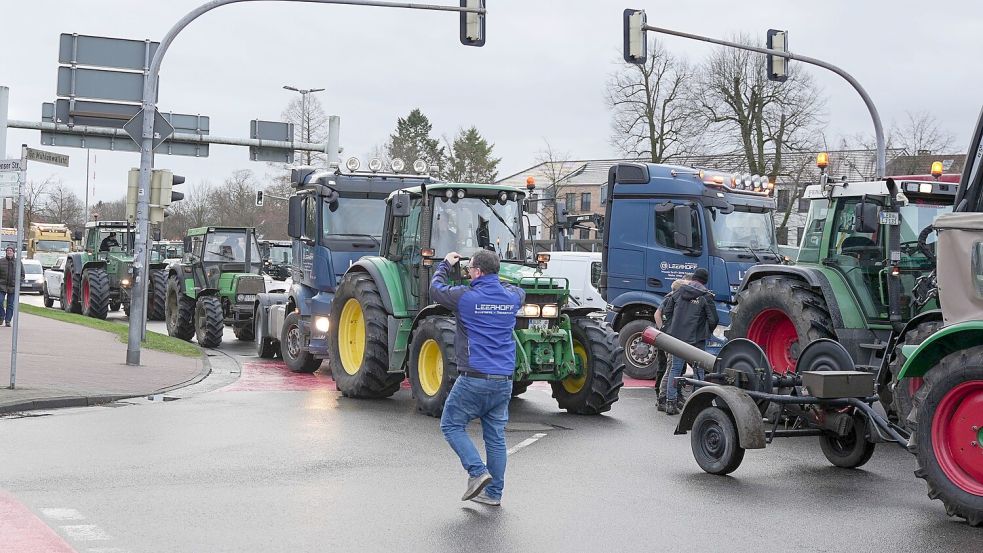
x,y
305,120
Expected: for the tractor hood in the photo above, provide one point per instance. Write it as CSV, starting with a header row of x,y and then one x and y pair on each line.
x,y
513,273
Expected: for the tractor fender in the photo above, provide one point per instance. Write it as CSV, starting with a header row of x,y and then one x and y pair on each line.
x,y
809,275
575,312
625,306
208,292
431,310
94,264
747,417
387,281
949,339
933,315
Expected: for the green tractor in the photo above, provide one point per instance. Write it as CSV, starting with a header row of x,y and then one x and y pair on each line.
x,y
385,328
214,285
99,279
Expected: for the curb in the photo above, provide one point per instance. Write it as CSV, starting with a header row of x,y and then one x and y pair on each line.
x,y
100,399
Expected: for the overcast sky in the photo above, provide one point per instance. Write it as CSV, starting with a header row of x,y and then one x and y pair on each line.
x,y
541,75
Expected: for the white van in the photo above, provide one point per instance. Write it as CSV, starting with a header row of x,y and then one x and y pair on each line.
x,y
583,270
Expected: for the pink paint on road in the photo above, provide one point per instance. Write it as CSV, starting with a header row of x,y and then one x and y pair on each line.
x,y
21,531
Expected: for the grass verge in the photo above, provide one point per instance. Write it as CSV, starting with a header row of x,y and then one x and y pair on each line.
x,y
154,341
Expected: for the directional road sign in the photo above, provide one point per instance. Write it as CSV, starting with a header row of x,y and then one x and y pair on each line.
x,y
50,158
271,130
117,53
100,84
162,129
10,177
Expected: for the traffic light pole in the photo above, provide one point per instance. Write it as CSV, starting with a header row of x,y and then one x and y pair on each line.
x,y
147,137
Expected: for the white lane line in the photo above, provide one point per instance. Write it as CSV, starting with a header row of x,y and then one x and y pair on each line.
x,y
85,532
105,550
58,513
525,443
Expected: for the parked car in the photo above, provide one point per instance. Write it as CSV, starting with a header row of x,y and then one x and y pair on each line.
x,y
53,279
33,276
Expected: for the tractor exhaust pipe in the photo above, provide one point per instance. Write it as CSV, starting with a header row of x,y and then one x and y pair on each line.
x,y
692,355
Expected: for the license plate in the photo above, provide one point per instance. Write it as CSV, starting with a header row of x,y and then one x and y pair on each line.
x,y
890,218
539,324
248,297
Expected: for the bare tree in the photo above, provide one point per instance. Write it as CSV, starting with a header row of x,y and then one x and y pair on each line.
x,y
652,113
34,192
921,133
310,125
64,206
109,211
191,212
233,203
555,168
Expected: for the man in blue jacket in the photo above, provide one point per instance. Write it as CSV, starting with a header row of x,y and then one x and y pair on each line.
x,y
485,350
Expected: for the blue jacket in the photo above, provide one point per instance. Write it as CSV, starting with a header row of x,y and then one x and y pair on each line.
x,y
485,313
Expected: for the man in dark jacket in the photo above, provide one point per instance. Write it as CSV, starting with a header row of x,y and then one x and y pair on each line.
x,y
485,350
692,317
9,281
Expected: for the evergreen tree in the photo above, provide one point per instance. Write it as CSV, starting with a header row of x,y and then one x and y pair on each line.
x,y
471,159
412,141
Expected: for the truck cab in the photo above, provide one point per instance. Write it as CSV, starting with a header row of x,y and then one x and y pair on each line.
x,y
47,242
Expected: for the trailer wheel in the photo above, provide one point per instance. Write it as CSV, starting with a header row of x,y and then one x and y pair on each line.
x,y
595,345
209,321
265,345
901,393
948,412
850,451
642,361
433,364
716,446
114,306
519,387
292,350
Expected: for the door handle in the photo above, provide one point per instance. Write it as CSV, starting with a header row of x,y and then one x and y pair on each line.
x,y
655,282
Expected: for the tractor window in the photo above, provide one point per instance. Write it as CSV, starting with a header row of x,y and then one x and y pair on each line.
x,y
978,268
476,223
406,235
230,247
811,237
196,246
665,228
53,246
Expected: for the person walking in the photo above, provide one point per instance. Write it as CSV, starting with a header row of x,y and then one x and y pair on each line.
x,y
485,311
9,281
692,317
661,322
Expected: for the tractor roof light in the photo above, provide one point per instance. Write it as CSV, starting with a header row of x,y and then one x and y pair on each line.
x,y
925,187
419,167
397,165
460,194
375,165
352,164
936,169
530,183
822,160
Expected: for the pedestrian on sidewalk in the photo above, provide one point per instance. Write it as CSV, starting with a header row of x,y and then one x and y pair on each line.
x,y
9,281
693,317
485,311
662,323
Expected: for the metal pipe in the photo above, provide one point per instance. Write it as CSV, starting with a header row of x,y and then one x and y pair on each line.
x,y
334,137
4,99
692,355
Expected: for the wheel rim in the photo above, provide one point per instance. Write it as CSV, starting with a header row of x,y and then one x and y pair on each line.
x,y
774,331
634,345
713,443
351,336
844,445
957,428
293,341
574,384
430,367
68,285
85,293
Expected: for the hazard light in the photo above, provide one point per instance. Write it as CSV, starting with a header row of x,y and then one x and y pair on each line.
x,y
822,160
936,169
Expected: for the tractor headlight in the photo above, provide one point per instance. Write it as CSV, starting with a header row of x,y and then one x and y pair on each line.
x,y
529,310
550,311
321,324
124,282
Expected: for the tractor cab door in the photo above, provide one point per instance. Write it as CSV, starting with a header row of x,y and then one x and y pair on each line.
x,y
860,257
404,249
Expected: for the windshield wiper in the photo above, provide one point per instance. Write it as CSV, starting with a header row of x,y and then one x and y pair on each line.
x,y
499,217
369,236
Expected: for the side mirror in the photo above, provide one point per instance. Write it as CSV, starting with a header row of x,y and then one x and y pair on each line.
x,y
401,204
867,219
187,244
295,217
77,236
683,223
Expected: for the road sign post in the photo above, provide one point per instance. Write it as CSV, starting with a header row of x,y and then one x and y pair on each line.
x,y
18,267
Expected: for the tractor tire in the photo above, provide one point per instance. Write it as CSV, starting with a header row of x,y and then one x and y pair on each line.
x,y
265,345
157,295
782,315
179,311
715,443
70,291
850,451
292,346
244,332
358,343
595,344
900,395
209,321
642,361
433,364
946,446
519,387
95,293
49,301
114,306
126,308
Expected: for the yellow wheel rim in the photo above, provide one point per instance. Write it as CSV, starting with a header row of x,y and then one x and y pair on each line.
x,y
430,367
576,383
351,336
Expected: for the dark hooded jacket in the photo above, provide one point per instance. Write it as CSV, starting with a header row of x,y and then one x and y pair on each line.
x,y
691,313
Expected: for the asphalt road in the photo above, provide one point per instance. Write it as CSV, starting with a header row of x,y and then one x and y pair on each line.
x,y
293,466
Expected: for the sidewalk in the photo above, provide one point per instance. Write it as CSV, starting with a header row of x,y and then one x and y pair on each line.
x,y
65,365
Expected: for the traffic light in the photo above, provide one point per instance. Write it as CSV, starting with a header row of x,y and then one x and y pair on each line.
x,y
162,194
635,45
777,65
473,24
133,184
259,198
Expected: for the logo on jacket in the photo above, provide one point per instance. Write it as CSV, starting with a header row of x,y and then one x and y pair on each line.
x,y
494,308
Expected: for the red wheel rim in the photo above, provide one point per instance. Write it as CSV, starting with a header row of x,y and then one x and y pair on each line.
x,y
774,331
956,434
68,286
914,384
85,293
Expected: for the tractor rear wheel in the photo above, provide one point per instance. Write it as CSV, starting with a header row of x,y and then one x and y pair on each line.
x,y
519,387
157,295
433,364
70,297
850,451
95,293
642,361
715,443
179,311
359,341
292,346
902,393
595,346
209,321
948,420
782,315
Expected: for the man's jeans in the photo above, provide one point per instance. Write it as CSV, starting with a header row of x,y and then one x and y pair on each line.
x,y
488,400
6,306
678,366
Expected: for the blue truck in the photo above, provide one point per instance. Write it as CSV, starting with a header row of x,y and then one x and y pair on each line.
x,y
662,222
334,219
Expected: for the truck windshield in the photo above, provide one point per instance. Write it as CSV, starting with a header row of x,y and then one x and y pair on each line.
x,y
353,217
230,247
472,224
742,230
53,245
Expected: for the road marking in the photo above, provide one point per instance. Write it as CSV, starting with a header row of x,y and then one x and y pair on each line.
x,y
85,532
525,443
22,531
57,513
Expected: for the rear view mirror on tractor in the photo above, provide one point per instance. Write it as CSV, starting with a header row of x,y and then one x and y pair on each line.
x,y
401,204
868,218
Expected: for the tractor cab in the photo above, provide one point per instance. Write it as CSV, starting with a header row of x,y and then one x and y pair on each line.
x,y
216,252
103,238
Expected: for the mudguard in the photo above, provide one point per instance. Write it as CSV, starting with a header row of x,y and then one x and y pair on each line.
x,y
950,339
809,275
747,417
648,300
387,277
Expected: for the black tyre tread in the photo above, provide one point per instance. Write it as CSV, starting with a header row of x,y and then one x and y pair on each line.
x,y
519,387
182,325
209,321
654,369
373,379
49,301
305,362
607,365
726,422
856,458
955,368
98,280
805,307
157,295
900,400
73,304
443,330
244,332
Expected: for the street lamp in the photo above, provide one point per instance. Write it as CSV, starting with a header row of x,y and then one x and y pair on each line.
x,y
305,124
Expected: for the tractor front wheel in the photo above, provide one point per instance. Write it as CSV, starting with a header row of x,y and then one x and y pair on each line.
x,y
95,293
642,361
948,420
293,346
114,306
358,343
433,364
209,321
179,311
70,298
602,362
157,295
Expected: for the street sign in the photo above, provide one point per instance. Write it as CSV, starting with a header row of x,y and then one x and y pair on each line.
x,y
10,177
10,165
118,53
100,84
50,158
271,130
162,129
9,190
91,113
